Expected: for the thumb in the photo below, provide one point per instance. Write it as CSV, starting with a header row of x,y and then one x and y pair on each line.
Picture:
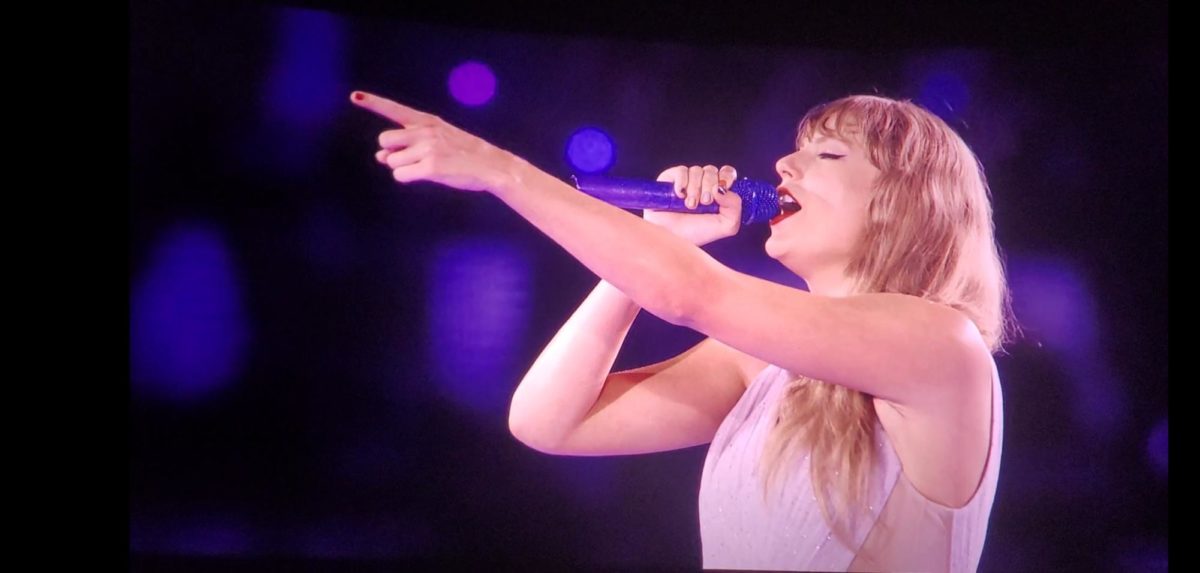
x,y
727,199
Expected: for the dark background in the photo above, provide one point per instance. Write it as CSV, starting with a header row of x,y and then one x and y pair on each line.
x,y
321,359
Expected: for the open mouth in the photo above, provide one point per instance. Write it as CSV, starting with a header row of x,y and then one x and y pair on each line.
x,y
788,206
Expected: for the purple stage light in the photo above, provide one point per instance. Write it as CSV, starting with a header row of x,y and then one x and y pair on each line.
x,y
187,332
304,86
472,83
942,81
303,91
1053,302
206,534
1056,307
1156,447
478,310
212,539
590,150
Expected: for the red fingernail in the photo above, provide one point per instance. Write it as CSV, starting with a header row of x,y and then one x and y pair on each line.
x,y
358,96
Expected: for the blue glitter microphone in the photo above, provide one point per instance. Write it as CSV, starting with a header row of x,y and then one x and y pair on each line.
x,y
760,201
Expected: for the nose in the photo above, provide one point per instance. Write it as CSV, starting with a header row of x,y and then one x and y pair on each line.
x,y
786,167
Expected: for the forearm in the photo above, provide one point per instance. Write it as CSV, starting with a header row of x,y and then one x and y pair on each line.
x,y
565,381
642,260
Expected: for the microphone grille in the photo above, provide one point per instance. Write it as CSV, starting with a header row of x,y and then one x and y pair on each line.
x,y
760,200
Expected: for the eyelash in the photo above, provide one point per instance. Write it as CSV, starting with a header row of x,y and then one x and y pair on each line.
x,y
830,156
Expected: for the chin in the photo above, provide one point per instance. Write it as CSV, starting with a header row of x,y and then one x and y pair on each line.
x,y
773,248
790,259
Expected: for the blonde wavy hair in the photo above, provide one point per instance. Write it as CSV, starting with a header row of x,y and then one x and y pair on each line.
x,y
929,234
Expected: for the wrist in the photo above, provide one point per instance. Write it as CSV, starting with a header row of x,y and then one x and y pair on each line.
x,y
513,175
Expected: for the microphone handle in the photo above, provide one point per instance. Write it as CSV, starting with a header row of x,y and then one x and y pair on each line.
x,y
760,201
637,194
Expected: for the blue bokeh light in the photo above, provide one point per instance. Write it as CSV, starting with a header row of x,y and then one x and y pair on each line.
x,y
472,83
188,332
590,150
1057,309
478,310
945,93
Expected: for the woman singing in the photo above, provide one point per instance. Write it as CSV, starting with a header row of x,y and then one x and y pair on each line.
x,y
853,426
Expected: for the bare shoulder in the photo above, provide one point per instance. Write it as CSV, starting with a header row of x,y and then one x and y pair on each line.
x,y
918,312
953,341
970,377
943,441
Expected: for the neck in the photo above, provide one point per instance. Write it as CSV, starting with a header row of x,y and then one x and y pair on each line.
x,y
829,283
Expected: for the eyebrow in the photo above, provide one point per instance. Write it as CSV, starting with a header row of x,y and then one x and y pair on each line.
x,y
819,138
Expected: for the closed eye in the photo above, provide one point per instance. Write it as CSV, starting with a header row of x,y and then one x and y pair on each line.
x,y
830,156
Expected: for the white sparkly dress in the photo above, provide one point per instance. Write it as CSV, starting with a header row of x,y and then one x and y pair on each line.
x,y
903,531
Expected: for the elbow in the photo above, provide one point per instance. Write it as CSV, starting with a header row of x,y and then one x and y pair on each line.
x,y
666,302
674,288
523,431
690,298
678,309
535,443
518,426
685,297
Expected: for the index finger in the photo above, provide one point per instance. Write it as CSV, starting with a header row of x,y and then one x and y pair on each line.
x,y
389,109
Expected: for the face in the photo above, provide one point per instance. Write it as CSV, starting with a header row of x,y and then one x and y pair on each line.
x,y
831,179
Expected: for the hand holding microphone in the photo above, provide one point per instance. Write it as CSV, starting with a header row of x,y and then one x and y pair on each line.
x,y
761,200
701,204
678,197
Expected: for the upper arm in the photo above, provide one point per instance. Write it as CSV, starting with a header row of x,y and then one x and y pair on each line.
x,y
896,347
673,404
